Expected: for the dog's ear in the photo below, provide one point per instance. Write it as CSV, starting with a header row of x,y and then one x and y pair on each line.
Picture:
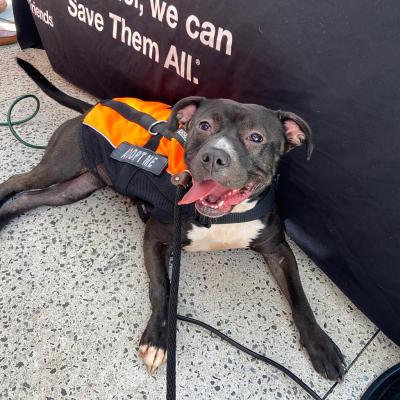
x,y
183,111
296,131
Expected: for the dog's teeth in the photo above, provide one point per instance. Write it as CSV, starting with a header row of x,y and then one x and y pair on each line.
x,y
221,203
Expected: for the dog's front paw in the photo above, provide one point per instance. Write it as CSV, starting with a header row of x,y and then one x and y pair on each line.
x,y
325,356
153,344
152,356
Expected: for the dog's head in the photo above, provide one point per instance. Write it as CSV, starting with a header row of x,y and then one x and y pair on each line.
x,y
233,149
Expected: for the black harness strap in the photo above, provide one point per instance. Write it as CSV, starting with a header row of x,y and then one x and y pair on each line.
x,y
130,113
148,122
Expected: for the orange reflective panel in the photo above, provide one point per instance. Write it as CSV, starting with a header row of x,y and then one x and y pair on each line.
x,y
116,129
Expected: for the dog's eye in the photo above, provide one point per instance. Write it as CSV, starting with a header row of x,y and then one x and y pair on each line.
x,y
204,126
255,137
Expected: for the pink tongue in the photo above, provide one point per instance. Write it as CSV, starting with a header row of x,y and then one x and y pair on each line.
x,y
198,191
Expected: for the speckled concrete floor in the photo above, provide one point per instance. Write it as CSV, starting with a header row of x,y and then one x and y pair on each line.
x,y
74,301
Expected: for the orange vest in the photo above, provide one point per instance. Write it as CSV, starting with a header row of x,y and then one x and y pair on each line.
x,y
117,129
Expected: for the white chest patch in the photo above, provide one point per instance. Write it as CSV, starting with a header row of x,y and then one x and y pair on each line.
x,y
223,236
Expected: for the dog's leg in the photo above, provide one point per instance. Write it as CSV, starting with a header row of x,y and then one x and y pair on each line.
x,y
61,161
62,193
153,344
325,356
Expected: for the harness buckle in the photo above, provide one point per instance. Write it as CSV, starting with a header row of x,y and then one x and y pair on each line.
x,y
181,179
155,123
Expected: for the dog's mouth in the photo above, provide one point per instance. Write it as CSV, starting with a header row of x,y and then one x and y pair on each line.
x,y
214,200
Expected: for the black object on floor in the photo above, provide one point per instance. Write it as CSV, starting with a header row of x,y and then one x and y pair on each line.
x,y
386,387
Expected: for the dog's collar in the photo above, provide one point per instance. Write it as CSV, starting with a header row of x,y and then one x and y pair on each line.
x,y
264,206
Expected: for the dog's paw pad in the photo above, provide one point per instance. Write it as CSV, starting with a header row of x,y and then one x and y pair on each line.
x,y
325,356
152,356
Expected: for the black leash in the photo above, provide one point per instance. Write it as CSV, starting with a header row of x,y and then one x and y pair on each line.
x,y
252,353
181,182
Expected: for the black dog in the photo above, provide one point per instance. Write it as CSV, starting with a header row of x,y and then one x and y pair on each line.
x,y
232,152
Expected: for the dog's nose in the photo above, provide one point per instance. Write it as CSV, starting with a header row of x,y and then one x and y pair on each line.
x,y
215,159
